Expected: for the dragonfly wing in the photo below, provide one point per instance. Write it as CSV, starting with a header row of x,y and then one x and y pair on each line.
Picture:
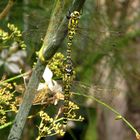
x,y
33,35
87,95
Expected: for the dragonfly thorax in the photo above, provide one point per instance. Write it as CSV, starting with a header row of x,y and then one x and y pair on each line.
x,y
74,20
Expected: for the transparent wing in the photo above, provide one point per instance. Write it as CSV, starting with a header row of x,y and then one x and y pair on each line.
x,y
80,93
86,95
36,35
37,30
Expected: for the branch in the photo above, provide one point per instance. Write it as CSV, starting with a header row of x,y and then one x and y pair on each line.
x,y
51,43
47,51
7,9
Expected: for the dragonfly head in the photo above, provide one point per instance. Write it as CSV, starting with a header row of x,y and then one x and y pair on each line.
x,y
75,14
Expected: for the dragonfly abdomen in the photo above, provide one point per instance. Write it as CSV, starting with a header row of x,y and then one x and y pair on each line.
x,y
68,70
66,103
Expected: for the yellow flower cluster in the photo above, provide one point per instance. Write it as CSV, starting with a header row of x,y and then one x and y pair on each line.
x,y
3,35
56,65
6,101
49,126
71,114
52,126
13,35
5,95
15,31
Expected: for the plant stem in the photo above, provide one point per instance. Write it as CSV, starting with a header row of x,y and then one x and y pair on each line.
x,y
110,108
49,48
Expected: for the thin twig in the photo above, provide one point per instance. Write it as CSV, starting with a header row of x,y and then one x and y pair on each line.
x,y
6,125
6,10
119,116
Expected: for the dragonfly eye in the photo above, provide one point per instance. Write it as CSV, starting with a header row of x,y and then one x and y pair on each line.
x,y
76,14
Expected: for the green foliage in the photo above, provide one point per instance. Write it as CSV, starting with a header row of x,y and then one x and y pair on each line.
x,y
12,35
12,52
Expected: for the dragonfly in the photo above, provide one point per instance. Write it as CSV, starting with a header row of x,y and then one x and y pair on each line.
x,y
69,50
80,94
